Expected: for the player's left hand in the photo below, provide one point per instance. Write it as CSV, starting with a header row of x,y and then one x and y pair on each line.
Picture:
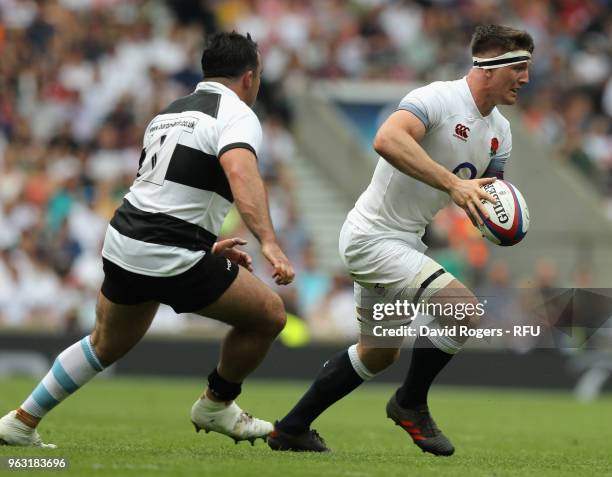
x,y
226,249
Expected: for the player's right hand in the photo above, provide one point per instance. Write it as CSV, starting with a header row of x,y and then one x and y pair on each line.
x,y
467,194
283,271
227,248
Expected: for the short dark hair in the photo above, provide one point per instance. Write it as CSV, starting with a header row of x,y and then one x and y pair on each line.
x,y
500,38
229,55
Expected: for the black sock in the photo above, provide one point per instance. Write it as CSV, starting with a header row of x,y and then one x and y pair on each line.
x,y
336,379
221,388
427,361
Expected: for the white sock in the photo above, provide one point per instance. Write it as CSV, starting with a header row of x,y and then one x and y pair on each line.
x,y
74,367
362,371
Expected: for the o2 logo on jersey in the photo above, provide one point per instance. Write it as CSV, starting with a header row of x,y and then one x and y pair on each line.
x,y
471,168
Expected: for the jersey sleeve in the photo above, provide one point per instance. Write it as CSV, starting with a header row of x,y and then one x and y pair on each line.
x,y
241,131
425,103
502,151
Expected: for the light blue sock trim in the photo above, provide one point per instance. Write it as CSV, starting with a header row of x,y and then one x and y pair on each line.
x,y
90,354
63,378
43,398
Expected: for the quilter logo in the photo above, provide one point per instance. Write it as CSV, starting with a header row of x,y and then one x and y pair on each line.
x,y
461,132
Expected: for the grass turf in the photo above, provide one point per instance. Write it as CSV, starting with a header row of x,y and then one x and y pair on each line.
x,y
134,427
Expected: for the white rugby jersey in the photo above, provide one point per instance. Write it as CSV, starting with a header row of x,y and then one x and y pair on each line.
x,y
174,210
457,136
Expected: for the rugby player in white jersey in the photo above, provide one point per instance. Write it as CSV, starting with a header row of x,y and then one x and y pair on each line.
x,y
444,141
199,156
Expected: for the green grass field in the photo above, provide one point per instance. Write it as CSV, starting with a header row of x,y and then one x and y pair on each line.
x,y
137,427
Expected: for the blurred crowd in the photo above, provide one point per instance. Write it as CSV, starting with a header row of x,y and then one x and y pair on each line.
x,y
80,79
568,102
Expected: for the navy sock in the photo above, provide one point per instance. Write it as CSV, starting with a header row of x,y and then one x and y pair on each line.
x,y
427,361
336,379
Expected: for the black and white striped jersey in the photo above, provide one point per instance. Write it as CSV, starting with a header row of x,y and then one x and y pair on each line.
x,y
174,210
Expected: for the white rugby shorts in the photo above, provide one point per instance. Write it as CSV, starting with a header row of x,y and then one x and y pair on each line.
x,y
387,268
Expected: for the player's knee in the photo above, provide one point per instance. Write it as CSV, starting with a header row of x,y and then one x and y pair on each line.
x,y
472,314
276,316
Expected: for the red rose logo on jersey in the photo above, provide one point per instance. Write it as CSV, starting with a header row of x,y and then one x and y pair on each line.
x,y
494,146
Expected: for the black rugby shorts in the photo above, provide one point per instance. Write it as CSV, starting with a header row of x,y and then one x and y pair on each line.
x,y
187,292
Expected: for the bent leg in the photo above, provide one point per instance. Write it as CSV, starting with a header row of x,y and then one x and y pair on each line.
x,y
257,316
344,372
408,407
431,354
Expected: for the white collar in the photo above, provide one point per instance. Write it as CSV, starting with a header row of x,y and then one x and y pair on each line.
x,y
208,85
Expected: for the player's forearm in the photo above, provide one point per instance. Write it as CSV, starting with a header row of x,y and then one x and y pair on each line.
x,y
252,202
404,153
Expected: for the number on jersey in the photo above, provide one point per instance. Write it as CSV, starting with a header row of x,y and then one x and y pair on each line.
x,y
155,158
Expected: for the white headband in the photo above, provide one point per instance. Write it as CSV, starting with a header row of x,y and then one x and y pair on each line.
x,y
507,59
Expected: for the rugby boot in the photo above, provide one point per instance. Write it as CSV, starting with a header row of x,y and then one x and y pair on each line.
x,y
229,420
13,432
309,441
421,427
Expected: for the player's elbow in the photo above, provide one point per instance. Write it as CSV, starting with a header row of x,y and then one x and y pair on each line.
x,y
381,143
236,176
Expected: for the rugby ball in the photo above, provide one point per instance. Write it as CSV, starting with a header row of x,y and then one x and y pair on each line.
x,y
508,220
